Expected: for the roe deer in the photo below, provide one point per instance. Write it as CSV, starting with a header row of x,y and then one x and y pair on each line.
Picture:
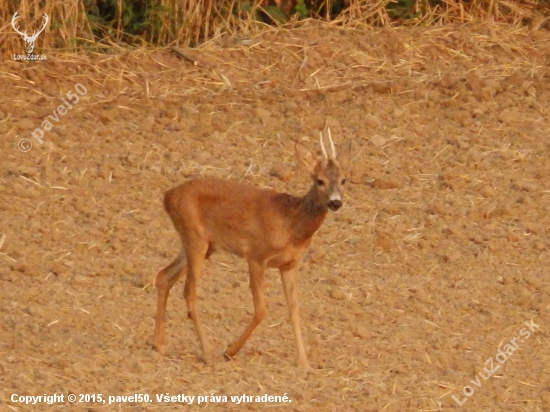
x,y
268,229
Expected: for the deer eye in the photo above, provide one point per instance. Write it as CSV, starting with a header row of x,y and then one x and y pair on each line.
x,y
320,182
343,182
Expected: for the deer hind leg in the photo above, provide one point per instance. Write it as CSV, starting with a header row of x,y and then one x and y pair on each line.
x,y
166,278
257,285
197,251
288,278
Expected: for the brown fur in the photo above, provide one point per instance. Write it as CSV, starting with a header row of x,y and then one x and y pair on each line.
x,y
268,229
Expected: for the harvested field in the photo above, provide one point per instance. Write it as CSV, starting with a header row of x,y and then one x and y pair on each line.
x,y
434,264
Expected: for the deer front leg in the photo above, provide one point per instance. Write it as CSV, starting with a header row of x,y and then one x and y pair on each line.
x,y
256,273
288,278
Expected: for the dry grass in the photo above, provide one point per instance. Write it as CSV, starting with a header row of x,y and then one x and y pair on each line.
x,y
191,22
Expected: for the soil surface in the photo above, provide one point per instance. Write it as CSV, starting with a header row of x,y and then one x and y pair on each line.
x,y
410,295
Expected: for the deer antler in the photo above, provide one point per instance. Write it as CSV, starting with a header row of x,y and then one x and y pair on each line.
x,y
331,143
323,148
13,19
25,35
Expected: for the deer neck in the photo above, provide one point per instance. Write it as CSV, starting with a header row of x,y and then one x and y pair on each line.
x,y
309,214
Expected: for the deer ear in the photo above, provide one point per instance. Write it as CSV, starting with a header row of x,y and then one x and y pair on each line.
x,y
344,154
305,157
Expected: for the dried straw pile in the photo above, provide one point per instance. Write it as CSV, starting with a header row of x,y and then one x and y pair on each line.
x,y
77,25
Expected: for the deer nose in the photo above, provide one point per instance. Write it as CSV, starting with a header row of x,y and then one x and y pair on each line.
x,y
335,204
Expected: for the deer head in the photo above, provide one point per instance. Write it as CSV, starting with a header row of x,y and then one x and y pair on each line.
x,y
29,40
328,174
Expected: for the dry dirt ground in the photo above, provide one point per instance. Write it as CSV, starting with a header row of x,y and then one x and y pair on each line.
x,y
429,271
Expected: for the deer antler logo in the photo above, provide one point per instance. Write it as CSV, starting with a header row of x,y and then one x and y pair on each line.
x,y
29,40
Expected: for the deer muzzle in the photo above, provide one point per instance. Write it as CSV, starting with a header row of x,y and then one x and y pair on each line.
x,y
335,201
